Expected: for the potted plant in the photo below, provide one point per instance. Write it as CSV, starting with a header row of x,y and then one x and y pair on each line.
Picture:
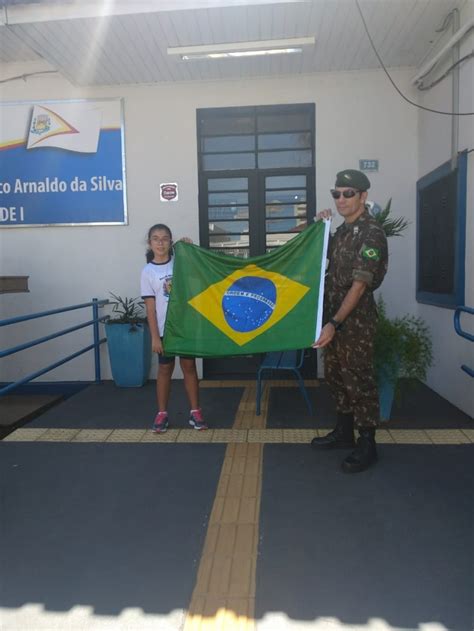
x,y
128,342
391,227
402,348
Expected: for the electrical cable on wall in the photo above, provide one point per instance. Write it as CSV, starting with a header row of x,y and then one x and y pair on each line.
x,y
28,74
446,22
443,76
421,107
24,76
441,30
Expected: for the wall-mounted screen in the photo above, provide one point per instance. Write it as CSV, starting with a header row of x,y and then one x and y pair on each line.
x,y
441,235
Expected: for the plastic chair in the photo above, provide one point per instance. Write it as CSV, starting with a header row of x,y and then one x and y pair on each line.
x,y
282,360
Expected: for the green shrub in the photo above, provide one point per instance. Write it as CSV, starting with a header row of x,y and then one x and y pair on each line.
x,y
403,345
391,227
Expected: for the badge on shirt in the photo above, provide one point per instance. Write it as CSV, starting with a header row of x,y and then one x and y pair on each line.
x,y
373,254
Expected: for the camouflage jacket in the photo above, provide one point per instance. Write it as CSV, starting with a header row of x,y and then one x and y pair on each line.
x,y
357,251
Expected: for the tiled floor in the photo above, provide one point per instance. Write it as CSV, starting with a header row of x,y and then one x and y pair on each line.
x,y
224,594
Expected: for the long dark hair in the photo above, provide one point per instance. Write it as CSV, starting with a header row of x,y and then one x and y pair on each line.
x,y
158,226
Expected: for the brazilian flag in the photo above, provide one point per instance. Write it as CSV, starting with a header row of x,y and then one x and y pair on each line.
x,y
224,305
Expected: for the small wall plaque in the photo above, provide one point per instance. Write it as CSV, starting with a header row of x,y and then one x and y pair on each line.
x,y
368,165
169,192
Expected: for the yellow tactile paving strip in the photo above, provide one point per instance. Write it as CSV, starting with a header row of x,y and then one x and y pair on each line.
x,y
224,594
232,436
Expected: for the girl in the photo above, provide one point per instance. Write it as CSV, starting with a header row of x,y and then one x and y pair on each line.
x,y
156,282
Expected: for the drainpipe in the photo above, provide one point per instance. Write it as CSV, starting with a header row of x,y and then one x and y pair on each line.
x,y
455,95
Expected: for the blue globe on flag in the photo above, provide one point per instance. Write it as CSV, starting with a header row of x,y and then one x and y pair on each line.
x,y
249,303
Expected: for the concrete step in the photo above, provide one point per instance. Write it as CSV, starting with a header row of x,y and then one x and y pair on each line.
x,y
17,409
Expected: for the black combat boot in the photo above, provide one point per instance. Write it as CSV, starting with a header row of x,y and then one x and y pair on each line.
x,y
341,437
364,455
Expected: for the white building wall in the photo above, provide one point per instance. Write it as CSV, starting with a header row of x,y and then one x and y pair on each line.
x,y
358,115
434,148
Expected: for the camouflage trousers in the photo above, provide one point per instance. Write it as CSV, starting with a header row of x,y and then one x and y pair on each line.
x,y
349,373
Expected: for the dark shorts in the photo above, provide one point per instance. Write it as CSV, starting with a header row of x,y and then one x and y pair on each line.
x,y
166,359
169,359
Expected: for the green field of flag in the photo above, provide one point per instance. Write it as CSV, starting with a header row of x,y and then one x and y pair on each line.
x,y
223,305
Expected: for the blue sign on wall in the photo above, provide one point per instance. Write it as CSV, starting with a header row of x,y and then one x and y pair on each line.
x,y
368,165
62,163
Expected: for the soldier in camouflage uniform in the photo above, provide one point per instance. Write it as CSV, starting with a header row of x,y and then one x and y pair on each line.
x,y
358,260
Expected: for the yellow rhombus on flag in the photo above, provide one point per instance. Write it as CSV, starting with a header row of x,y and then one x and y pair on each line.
x,y
209,302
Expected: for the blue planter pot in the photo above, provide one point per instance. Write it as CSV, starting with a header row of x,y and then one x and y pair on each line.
x,y
386,387
386,396
129,353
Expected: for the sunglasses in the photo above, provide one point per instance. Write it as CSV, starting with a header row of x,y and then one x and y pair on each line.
x,y
347,194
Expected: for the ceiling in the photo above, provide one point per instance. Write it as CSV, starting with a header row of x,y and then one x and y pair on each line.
x,y
116,42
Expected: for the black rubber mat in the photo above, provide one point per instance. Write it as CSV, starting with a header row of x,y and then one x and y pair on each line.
x,y
416,407
108,526
104,406
392,543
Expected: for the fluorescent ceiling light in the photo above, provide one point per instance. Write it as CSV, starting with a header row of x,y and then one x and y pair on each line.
x,y
243,49
244,53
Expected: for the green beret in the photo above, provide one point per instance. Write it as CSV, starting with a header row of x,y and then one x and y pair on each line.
x,y
351,177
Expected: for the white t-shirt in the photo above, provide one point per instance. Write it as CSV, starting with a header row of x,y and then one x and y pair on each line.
x,y
156,283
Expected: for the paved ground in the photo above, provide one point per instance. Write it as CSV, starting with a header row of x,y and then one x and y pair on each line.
x,y
106,526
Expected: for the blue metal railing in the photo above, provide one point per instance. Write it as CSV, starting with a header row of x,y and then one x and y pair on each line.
x,y
95,304
460,331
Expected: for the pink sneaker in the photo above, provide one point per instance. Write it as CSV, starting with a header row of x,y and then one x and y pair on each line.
x,y
196,420
160,424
